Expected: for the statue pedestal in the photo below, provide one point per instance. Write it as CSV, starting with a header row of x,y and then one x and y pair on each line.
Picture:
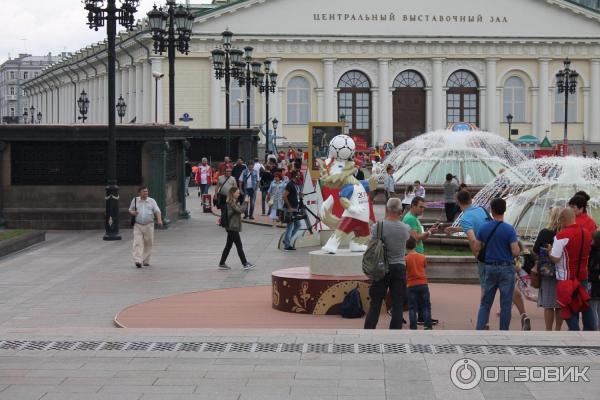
x,y
344,263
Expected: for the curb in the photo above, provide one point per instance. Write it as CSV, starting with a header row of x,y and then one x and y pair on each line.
x,y
21,242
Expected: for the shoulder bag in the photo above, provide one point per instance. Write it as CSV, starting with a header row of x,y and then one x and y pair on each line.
x,y
374,262
481,255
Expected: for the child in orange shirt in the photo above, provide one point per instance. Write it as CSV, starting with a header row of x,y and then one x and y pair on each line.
x,y
416,282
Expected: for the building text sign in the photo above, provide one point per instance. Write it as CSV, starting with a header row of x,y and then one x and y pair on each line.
x,y
410,18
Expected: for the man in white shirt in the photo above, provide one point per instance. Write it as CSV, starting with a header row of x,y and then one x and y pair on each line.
x,y
145,210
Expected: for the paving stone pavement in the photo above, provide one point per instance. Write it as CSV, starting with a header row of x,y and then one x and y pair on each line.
x,y
60,297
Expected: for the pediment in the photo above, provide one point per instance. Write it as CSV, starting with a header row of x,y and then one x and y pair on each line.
x,y
522,19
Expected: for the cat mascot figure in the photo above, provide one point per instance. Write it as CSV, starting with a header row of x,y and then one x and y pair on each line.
x,y
337,174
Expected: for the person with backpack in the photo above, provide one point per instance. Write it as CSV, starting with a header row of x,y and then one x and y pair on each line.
x,y
394,234
233,227
497,246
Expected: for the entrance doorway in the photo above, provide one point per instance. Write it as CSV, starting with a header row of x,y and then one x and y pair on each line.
x,y
409,105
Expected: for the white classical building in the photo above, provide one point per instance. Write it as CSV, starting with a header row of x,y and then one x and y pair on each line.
x,y
395,68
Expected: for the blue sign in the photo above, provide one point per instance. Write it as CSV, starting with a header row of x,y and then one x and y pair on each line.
x,y
186,118
462,127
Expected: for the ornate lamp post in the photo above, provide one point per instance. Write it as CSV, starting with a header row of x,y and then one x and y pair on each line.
x,y
32,113
226,62
39,117
25,116
83,103
248,77
96,19
566,82
171,30
509,119
121,108
267,82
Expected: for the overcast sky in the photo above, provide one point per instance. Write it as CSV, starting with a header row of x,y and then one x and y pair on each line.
x,y
51,26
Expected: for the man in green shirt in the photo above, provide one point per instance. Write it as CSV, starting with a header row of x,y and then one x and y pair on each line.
x,y
417,207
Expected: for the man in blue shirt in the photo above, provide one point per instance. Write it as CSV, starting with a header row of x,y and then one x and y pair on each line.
x,y
498,241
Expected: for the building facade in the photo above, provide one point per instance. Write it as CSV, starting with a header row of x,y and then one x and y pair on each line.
x,y
13,74
395,68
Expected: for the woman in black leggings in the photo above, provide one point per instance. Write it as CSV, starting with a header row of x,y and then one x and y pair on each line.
x,y
234,227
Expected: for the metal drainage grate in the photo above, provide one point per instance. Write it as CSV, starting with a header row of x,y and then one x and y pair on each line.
x,y
327,348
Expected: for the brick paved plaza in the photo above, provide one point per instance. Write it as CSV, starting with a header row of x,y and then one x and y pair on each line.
x,y
58,342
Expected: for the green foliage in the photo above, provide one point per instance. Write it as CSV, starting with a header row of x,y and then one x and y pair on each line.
x,y
9,234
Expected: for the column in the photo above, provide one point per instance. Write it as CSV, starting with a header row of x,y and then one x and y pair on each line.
x,y
328,89
92,112
483,94
131,94
491,104
437,88
535,130
147,92
428,109
385,132
320,105
104,98
216,106
586,115
139,87
376,123
543,97
595,101
157,93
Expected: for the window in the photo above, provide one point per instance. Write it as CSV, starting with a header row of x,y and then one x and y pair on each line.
x,y
25,75
514,98
12,111
12,74
462,98
298,101
559,112
409,79
354,100
12,90
237,109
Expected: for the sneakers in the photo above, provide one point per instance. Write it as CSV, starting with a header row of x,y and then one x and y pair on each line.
x,y
525,323
224,267
138,264
248,266
289,248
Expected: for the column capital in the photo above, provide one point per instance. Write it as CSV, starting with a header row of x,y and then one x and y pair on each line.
x,y
595,61
438,59
274,59
384,60
329,60
544,60
492,60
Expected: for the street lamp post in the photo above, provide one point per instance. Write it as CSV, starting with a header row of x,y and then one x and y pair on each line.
x,y
226,63
275,125
240,102
32,113
96,19
248,77
25,116
83,103
566,82
39,117
267,82
509,119
121,108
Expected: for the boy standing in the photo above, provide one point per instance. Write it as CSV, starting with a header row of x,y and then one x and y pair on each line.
x,y
416,282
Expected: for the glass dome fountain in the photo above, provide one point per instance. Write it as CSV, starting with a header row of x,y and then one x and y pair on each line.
x,y
474,157
533,187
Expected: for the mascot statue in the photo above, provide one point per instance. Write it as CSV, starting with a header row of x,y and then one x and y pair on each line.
x,y
337,173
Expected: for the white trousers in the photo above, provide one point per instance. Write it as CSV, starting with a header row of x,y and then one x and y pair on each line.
x,y
143,238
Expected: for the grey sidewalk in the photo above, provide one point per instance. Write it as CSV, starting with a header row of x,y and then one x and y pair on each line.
x,y
57,302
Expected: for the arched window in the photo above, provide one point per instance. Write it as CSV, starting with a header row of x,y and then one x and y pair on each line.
x,y
237,109
462,98
354,101
559,102
409,79
514,98
298,101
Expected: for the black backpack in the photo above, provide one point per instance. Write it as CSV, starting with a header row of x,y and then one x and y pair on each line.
x,y
352,305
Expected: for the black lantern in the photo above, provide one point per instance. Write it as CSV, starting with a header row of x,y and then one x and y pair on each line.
x,y
509,119
275,125
97,16
39,117
32,113
83,103
121,108
267,82
566,82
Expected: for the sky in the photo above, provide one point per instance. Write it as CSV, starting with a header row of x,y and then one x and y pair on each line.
x,y
41,26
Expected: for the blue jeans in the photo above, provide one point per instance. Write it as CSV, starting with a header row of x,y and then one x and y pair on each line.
x,y
418,301
587,317
502,278
263,199
290,231
202,189
251,193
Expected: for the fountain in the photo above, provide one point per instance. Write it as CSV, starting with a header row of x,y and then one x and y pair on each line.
x,y
533,187
474,157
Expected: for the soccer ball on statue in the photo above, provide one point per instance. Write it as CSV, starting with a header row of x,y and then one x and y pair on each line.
x,y
342,147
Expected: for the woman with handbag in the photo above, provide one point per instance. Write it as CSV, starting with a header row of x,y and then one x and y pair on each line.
x,y
546,272
233,227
